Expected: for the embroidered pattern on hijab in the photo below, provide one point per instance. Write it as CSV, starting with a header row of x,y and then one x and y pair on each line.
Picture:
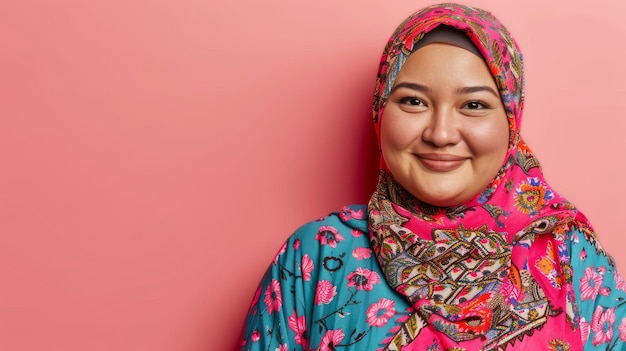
x,y
455,264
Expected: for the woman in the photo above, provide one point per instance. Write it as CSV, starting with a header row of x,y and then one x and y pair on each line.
x,y
463,246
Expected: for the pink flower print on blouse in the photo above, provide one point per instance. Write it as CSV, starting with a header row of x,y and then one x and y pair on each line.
x,y
331,339
619,281
296,244
282,347
325,292
255,299
256,335
280,251
379,313
356,233
590,284
347,213
328,235
362,253
605,291
585,329
363,279
602,325
622,330
273,298
307,267
298,326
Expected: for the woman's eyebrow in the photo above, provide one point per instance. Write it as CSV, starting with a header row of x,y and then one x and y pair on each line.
x,y
413,86
475,89
464,90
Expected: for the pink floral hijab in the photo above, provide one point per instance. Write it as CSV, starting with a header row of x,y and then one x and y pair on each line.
x,y
466,269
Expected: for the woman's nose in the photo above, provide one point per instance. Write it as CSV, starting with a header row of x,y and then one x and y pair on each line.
x,y
441,129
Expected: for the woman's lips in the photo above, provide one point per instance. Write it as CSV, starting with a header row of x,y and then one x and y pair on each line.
x,y
441,162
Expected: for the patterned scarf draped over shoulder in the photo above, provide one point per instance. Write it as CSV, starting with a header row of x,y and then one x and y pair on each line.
x,y
453,263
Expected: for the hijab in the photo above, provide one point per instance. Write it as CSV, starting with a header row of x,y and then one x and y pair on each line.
x,y
452,263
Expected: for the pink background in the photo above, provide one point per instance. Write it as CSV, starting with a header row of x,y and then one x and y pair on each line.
x,y
155,154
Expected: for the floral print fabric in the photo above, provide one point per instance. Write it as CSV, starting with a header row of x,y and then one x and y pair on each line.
x,y
318,297
600,293
325,290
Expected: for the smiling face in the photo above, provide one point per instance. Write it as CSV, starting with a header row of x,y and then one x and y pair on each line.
x,y
444,132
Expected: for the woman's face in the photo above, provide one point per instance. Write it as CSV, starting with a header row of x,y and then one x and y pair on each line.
x,y
444,131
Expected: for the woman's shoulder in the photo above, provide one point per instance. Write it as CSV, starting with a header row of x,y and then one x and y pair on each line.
x,y
345,227
325,284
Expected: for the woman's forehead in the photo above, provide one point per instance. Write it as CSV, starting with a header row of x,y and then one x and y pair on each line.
x,y
445,69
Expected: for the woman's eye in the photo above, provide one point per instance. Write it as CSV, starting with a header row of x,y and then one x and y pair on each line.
x,y
413,101
475,105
